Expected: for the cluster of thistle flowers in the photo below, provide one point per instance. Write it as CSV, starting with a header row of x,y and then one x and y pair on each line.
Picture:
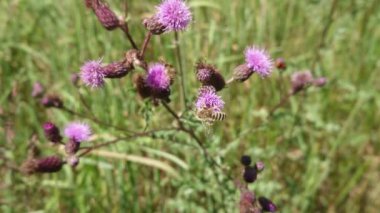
x,y
75,133
248,201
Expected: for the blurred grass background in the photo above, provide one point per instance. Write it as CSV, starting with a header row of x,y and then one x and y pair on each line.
x,y
321,151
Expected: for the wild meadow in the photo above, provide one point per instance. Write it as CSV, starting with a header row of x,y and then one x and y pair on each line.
x,y
141,130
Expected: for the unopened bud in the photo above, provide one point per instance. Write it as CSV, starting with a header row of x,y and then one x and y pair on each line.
x,y
250,174
52,101
117,69
300,80
42,165
245,160
241,73
105,15
280,64
154,26
72,147
52,132
267,205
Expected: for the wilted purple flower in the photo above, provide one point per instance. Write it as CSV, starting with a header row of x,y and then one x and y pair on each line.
x,y
77,132
258,60
208,99
320,82
38,89
158,77
175,15
300,80
92,73
52,132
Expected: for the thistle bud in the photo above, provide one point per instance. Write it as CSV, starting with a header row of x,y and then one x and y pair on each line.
x,y
52,101
73,161
267,205
260,166
300,80
208,75
105,15
52,132
241,73
117,69
245,160
141,87
280,64
250,174
320,82
72,147
154,26
42,165
38,90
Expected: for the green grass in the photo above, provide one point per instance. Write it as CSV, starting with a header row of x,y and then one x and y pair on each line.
x,y
321,150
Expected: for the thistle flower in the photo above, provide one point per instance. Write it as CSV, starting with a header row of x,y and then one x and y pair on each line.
x,y
159,80
105,15
175,15
92,74
208,99
52,132
300,80
77,132
208,75
258,61
250,174
245,160
280,64
48,164
267,205
38,89
52,101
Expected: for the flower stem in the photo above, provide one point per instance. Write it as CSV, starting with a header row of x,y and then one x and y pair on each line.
x,y
179,59
145,44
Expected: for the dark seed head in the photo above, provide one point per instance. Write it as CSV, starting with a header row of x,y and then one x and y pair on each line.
x,y
267,205
52,132
250,174
245,160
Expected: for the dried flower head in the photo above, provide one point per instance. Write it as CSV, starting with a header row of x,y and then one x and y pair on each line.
x,y
159,80
92,73
175,15
208,75
208,99
300,80
105,15
267,205
77,131
259,61
52,101
52,132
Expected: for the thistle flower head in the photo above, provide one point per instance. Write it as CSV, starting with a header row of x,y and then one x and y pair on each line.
x,y
300,80
77,132
208,75
92,73
158,77
175,15
259,61
208,99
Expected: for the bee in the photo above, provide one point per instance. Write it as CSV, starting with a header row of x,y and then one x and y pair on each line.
x,y
209,115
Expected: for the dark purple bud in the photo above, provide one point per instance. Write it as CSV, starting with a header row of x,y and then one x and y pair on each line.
x,y
42,165
38,90
117,69
280,64
250,174
154,26
52,132
72,147
105,15
208,75
245,160
52,101
260,166
320,82
241,73
267,205
142,89
73,160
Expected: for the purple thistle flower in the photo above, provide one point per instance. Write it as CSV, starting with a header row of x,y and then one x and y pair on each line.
x,y
77,132
92,73
158,77
259,61
175,15
208,99
204,74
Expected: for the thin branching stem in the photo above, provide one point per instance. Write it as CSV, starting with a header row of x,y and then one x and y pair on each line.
x,y
180,68
145,44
